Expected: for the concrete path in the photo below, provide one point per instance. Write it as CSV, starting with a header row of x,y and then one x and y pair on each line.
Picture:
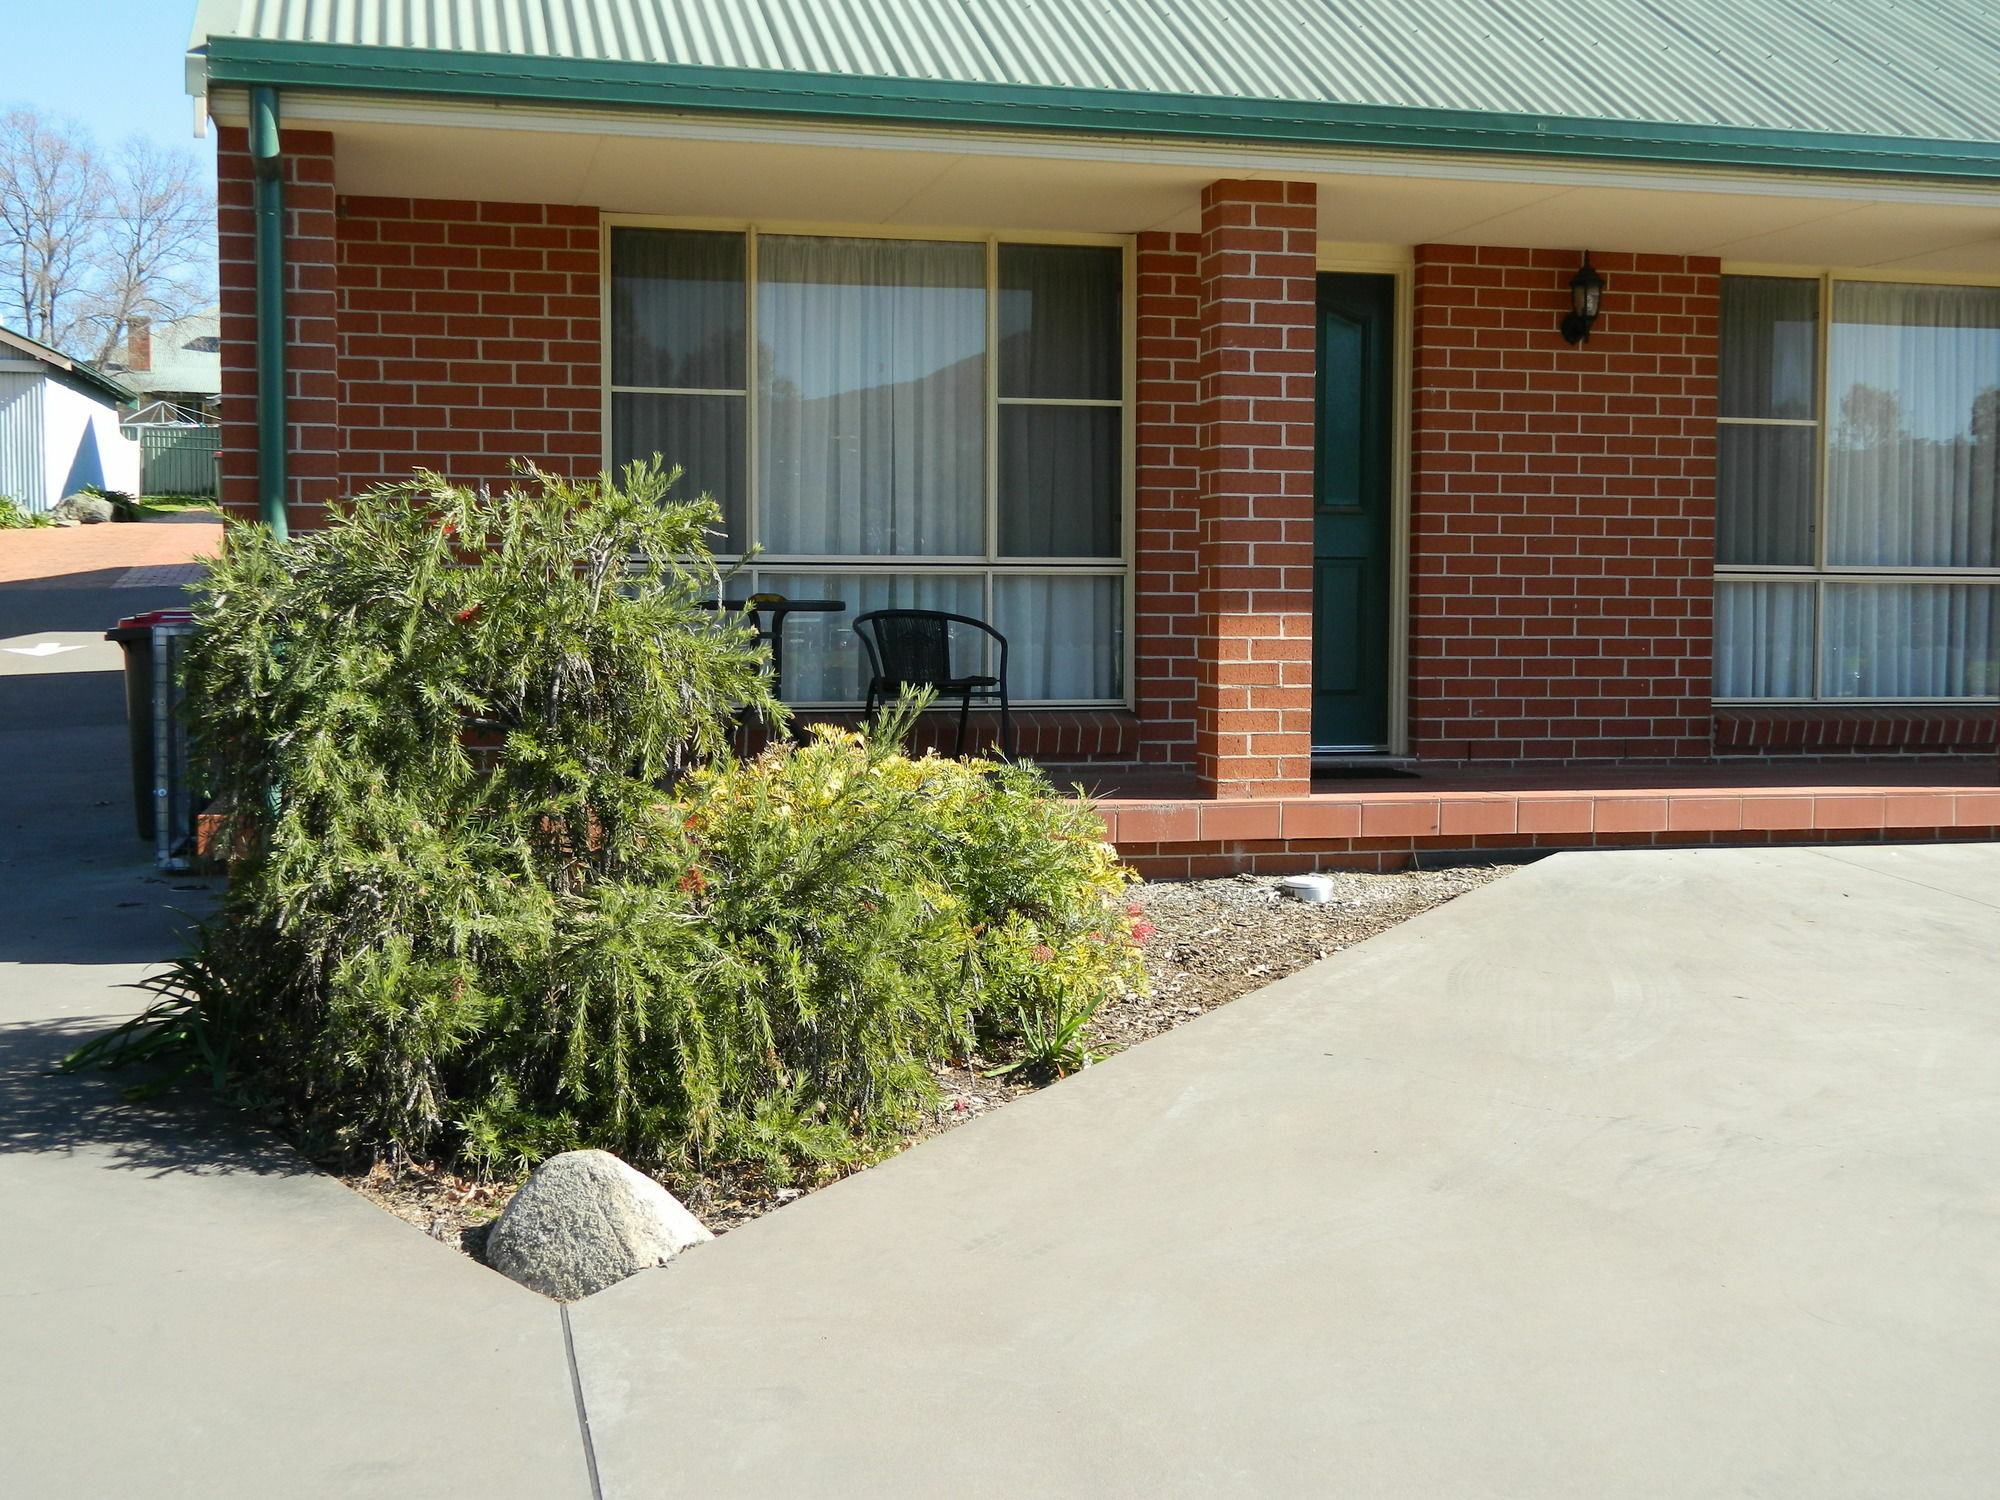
x,y
1633,1175
186,1310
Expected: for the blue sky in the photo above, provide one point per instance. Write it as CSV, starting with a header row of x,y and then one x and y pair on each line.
x,y
114,66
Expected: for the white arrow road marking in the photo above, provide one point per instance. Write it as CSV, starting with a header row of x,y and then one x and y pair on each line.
x,y
46,648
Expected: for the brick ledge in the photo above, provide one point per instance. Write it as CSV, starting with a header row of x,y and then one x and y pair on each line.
x,y
1935,729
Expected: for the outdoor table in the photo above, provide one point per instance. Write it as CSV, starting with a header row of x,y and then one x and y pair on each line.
x,y
775,635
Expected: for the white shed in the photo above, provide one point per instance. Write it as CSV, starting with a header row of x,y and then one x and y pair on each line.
x,y
59,426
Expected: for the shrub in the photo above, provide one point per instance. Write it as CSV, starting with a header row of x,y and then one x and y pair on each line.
x,y
14,516
606,932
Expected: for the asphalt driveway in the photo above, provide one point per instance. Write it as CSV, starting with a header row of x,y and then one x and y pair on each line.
x,y
1632,1175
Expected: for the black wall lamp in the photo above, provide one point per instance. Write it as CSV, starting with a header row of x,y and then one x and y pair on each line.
x,y
1586,300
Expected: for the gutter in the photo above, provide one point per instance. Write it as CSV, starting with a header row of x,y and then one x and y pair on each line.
x,y
496,77
267,159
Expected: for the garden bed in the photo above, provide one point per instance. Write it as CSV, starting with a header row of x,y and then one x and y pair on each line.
x,y
1212,941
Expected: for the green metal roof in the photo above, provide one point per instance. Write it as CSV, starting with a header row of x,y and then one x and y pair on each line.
x,y
1878,85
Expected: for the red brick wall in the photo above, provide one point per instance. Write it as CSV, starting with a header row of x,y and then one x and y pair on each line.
x,y
470,337
1167,524
451,334
1256,311
1563,509
311,321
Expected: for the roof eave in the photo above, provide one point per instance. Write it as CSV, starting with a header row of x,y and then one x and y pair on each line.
x,y
324,67
62,367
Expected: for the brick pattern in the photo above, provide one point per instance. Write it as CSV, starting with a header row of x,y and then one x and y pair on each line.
x,y
1051,735
1256,321
455,335
470,337
1196,837
1197,861
1856,731
1563,509
1166,573
311,322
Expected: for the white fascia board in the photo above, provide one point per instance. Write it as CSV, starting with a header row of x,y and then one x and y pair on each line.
x,y
230,107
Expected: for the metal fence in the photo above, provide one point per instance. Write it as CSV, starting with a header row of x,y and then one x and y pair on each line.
x,y
178,460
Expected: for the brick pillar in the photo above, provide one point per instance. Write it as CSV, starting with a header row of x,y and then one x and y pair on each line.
x,y
1167,523
311,323
1256,294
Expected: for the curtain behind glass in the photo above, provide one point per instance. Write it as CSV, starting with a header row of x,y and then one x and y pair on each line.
x,y
1764,495
1763,640
1065,636
677,309
872,390
1913,407
1770,347
1911,640
702,436
1059,481
1061,307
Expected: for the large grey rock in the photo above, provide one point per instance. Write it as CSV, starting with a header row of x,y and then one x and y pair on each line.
x,y
584,1221
83,510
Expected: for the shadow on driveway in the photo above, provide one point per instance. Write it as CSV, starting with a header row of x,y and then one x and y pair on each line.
x,y
42,1111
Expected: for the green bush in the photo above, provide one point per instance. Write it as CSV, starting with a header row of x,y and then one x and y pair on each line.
x,y
14,516
602,930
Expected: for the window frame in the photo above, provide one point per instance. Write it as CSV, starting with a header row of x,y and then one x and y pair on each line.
x,y
1819,573
990,565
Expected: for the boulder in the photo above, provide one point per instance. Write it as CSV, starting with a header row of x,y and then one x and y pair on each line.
x,y
83,510
585,1220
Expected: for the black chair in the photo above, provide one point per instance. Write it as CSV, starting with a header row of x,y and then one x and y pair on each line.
x,y
911,648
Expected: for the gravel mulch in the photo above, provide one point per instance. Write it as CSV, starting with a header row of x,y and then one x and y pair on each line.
x,y
1213,941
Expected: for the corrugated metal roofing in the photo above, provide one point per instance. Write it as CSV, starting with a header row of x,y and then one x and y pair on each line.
x,y
1924,69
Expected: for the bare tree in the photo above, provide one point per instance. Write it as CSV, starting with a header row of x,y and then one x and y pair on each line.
x,y
88,244
52,193
155,256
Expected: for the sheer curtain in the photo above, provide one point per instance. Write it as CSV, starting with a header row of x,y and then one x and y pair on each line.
x,y
1910,640
1913,402
1065,636
872,388
1764,640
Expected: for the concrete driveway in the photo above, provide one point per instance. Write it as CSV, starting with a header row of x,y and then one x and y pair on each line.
x,y
1632,1175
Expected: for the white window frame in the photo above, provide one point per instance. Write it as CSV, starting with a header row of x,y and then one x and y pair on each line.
x,y
991,565
1819,573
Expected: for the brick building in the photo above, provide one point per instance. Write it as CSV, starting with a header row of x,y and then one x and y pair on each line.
x,y
1236,376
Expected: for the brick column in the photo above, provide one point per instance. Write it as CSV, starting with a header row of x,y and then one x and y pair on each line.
x,y
1256,296
1167,523
311,324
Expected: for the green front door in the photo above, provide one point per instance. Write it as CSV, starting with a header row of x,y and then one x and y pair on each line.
x,y
1352,513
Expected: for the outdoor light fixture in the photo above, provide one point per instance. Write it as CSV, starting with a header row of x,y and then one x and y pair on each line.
x,y
1586,300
